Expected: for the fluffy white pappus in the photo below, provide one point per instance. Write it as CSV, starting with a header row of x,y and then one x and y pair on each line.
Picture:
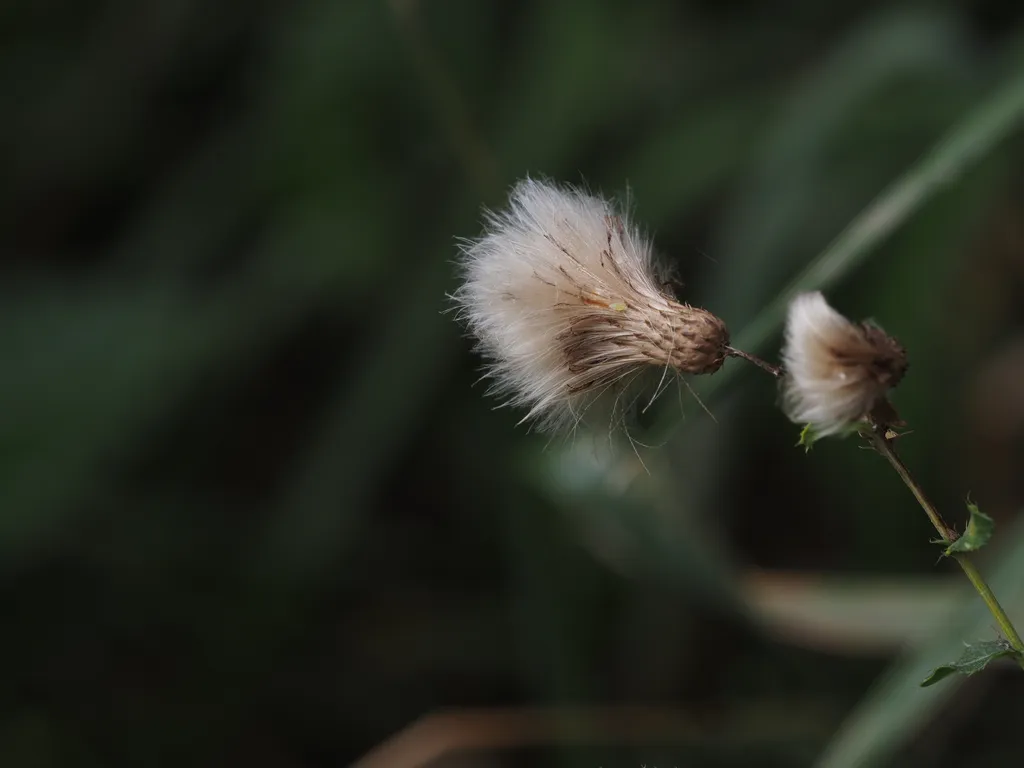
x,y
836,371
562,296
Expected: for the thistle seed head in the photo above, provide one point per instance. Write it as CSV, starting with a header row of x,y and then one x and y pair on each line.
x,y
836,371
561,294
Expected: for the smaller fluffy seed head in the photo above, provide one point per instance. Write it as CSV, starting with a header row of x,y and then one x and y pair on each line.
x,y
561,294
836,371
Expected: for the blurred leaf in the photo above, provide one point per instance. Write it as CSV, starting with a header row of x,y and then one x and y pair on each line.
x,y
851,615
372,411
709,141
174,231
791,199
964,146
95,368
577,50
976,657
645,533
978,532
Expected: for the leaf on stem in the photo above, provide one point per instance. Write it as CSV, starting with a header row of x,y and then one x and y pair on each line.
x,y
808,435
976,657
807,438
978,532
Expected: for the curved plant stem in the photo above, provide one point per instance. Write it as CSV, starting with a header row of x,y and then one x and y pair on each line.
x,y
884,446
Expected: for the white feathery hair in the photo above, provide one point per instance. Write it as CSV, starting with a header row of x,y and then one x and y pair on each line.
x,y
562,296
836,371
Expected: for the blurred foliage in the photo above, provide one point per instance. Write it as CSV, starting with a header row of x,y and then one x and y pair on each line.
x,y
254,511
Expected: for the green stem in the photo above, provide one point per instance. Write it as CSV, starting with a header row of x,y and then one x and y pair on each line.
x,y
884,446
972,573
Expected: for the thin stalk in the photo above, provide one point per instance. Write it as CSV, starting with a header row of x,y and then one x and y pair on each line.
x,y
764,365
885,447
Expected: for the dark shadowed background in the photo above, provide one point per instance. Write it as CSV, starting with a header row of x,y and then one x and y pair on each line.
x,y
254,511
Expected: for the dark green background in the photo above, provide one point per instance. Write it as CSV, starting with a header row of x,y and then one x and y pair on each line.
x,y
254,511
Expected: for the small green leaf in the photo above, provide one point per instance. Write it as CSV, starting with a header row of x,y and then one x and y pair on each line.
x,y
807,438
976,657
979,531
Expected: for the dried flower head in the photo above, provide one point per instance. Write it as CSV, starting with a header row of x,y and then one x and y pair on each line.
x,y
561,293
836,371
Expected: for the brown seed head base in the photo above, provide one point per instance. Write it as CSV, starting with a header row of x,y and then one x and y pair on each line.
x,y
599,344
